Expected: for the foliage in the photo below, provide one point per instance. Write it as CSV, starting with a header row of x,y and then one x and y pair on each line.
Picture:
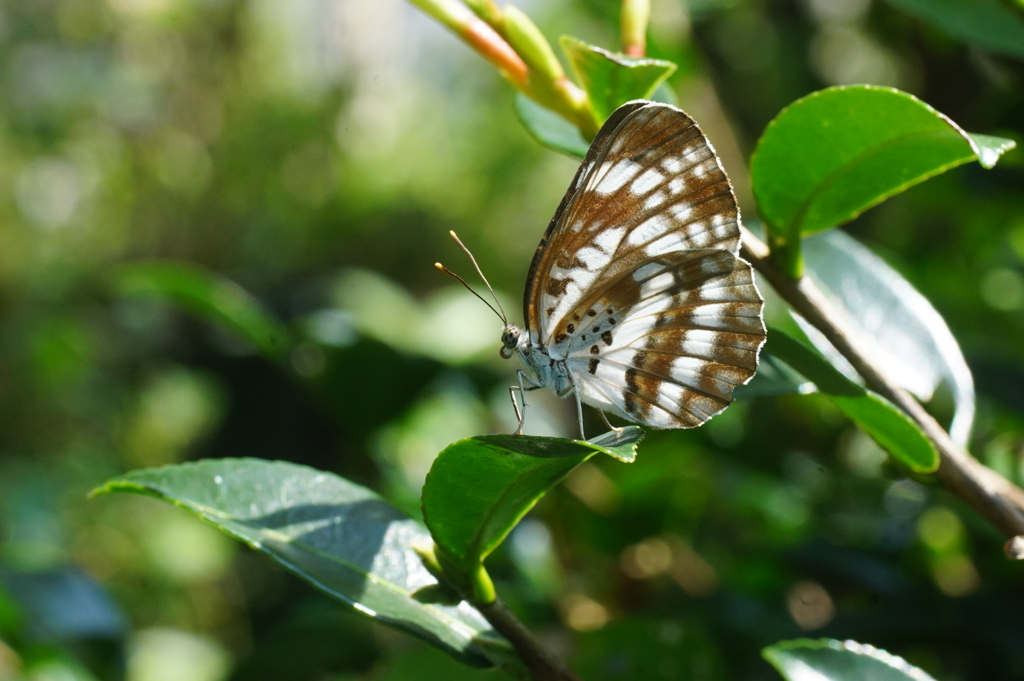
x,y
340,537
272,187
880,142
828,660
914,344
893,430
478,490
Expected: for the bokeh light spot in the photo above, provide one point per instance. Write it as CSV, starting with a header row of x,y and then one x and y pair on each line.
x,y
955,575
583,613
940,529
48,191
163,654
810,605
1003,289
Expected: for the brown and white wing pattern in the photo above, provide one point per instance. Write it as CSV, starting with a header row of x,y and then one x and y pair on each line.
x,y
684,329
651,183
637,283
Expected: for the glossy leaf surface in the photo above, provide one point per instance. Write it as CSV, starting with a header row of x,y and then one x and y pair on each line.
x,y
887,425
880,141
830,660
612,79
906,335
339,536
479,488
550,129
774,377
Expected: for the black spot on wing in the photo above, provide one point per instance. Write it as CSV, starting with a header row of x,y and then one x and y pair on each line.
x,y
633,405
557,287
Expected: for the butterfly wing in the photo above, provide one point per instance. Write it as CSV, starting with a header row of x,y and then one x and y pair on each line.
x,y
651,183
671,339
639,267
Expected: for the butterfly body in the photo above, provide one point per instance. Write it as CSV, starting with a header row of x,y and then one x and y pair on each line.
x,y
636,300
550,370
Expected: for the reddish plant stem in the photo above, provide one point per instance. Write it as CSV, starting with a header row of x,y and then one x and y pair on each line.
x,y
494,49
635,16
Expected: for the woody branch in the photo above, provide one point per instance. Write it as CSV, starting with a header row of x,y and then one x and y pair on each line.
x,y
993,496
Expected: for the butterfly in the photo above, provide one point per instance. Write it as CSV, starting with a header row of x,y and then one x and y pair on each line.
x,y
637,301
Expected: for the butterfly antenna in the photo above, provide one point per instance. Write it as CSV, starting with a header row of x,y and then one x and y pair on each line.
x,y
463,282
504,317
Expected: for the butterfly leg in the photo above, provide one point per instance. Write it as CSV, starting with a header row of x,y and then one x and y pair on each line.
x,y
515,405
534,385
579,406
579,413
604,418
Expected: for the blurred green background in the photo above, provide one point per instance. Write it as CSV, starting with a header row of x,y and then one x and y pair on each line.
x,y
316,153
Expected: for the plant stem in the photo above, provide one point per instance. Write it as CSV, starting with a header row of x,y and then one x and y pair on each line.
x,y
992,495
635,16
544,665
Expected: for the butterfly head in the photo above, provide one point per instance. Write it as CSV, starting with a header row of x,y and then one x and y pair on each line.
x,y
510,336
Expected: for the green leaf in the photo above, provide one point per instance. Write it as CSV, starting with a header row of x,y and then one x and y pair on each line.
x,y
905,334
619,444
555,132
342,538
209,296
612,79
988,24
774,377
893,430
665,94
830,660
479,488
550,129
989,148
835,153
